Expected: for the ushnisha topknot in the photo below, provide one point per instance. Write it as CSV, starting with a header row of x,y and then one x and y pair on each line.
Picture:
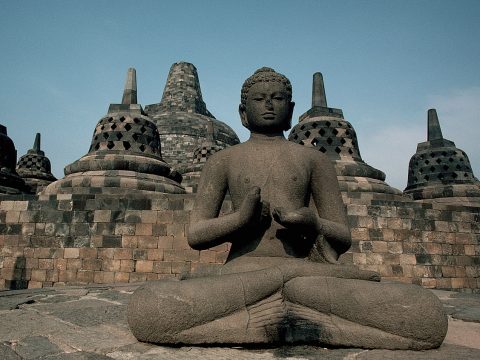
x,y
265,74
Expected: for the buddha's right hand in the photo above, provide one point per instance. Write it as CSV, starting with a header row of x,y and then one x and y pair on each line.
x,y
253,211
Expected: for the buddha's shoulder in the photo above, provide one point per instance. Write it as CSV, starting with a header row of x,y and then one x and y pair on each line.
x,y
224,155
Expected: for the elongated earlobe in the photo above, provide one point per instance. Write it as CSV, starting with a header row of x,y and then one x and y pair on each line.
x,y
243,115
288,124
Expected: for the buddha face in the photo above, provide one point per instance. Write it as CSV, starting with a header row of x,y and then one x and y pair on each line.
x,y
267,109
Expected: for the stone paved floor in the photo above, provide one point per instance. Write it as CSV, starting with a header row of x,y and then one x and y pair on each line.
x,y
90,323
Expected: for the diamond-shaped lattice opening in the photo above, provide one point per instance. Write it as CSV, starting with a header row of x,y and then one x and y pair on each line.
x,y
328,123
329,141
347,133
432,154
119,135
323,150
338,150
349,126
450,159
421,157
432,168
142,148
113,127
427,162
465,175
307,133
126,145
301,142
335,132
458,167
314,142
416,163
454,175
354,143
426,177
467,167
314,125
135,137
142,129
321,132
128,127
342,141
461,159
440,176
102,127
95,138
444,153
350,151
420,171
97,146
415,179
295,137
438,160
463,153
110,145
445,167
110,119
302,127
122,119
105,135
136,120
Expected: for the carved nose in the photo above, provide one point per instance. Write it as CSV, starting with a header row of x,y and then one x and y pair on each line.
x,y
268,103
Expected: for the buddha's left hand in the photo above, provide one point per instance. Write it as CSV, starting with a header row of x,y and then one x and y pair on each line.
x,y
304,219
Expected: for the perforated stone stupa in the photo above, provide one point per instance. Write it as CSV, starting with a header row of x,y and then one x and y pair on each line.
x,y
183,120
10,181
35,168
124,156
441,172
325,129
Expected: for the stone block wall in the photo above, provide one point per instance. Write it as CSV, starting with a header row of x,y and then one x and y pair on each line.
x,y
433,245
77,239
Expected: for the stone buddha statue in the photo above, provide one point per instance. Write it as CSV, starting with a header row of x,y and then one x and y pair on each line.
x,y
281,282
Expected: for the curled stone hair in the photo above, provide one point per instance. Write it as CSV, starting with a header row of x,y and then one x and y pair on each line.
x,y
265,74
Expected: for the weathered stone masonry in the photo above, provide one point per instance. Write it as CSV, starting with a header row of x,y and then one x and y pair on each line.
x,y
77,239
71,239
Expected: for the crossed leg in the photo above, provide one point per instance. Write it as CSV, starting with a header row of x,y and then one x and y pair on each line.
x,y
270,306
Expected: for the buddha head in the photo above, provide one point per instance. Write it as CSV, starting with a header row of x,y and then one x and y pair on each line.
x,y
266,102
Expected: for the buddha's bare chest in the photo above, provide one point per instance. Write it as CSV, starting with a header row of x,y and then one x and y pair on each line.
x,y
276,173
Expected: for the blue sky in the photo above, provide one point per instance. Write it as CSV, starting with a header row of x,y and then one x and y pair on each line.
x,y
385,63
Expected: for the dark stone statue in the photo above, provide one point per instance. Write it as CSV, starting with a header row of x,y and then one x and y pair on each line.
x,y
281,282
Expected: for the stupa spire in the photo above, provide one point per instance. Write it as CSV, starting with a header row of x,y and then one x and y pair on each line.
x,y
130,91
434,130
182,91
318,91
36,144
